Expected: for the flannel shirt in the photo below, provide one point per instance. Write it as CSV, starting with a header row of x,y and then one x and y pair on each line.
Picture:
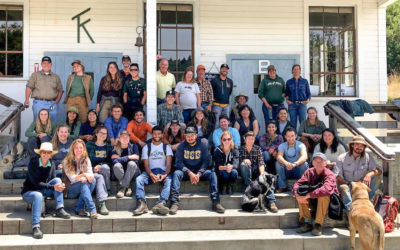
x,y
255,155
165,115
206,91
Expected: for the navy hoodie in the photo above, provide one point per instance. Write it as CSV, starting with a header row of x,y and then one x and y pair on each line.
x,y
192,158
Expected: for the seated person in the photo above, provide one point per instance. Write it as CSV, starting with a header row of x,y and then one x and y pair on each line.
x,y
125,160
252,166
269,143
357,165
87,128
246,122
224,126
157,159
192,159
173,135
72,121
61,143
226,159
317,200
138,128
169,111
204,126
282,122
115,123
291,160
310,130
241,100
41,130
332,149
41,181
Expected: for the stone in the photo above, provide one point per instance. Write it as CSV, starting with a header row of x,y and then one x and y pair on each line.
x,y
102,225
11,227
148,224
81,226
124,225
62,226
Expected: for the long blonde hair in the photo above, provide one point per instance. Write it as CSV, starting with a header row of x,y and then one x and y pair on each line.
x,y
226,133
38,128
69,162
55,139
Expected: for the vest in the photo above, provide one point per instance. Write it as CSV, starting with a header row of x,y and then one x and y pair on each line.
x,y
86,85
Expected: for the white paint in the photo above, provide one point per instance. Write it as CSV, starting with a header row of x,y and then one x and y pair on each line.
x,y
151,45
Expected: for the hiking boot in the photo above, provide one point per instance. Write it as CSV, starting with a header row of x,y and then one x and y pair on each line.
x,y
229,189
160,208
281,190
217,207
81,213
174,209
37,233
62,214
121,192
273,208
128,192
141,208
317,230
223,188
103,209
94,216
306,227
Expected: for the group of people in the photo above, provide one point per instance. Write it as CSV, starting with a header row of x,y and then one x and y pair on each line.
x,y
197,137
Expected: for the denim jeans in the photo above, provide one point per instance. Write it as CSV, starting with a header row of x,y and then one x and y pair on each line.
x,y
283,173
208,175
144,179
297,110
267,157
84,192
186,115
34,142
345,193
39,104
36,198
226,177
273,112
218,111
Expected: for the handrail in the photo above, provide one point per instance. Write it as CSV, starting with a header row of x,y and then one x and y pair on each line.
x,y
11,114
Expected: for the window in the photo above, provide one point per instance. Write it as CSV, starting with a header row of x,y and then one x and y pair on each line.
x,y
11,49
332,51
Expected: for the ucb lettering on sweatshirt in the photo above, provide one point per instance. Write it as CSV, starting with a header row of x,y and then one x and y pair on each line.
x,y
192,158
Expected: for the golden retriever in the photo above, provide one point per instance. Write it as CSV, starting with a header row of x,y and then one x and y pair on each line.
x,y
365,220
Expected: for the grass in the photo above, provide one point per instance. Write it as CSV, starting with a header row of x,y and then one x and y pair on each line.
x,y
393,86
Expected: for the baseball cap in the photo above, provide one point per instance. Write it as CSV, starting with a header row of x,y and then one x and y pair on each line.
x,y
46,59
190,130
320,155
76,61
170,92
126,57
271,67
224,65
201,67
175,122
123,132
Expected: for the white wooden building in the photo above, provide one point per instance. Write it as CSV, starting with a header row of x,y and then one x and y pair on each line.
x,y
350,60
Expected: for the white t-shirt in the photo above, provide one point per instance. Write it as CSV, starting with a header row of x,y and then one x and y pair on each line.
x,y
157,157
187,94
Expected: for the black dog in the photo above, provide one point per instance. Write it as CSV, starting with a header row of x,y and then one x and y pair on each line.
x,y
255,193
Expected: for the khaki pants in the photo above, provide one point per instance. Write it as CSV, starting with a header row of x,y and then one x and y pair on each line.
x,y
79,102
322,210
105,111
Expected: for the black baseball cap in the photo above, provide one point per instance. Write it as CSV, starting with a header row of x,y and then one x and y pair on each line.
x,y
190,130
126,57
175,122
46,59
170,92
224,65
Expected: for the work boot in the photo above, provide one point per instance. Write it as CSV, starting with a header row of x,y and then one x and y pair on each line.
x,y
317,230
62,214
160,208
273,208
217,207
37,233
103,209
223,188
81,213
229,188
141,208
121,192
306,227
174,209
128,192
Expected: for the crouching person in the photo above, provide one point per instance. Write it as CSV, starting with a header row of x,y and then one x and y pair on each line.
x,y
157,159
322,182
192,159
41,181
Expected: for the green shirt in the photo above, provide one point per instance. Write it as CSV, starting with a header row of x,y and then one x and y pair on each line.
x,y
31,131
73,134
272,89
77,88
135,89
311,129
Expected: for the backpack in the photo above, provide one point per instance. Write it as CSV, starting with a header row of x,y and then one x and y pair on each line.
x,y
149,149
387,207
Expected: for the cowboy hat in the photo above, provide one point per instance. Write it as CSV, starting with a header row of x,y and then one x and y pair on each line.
x,y
46,146
358,139
241,94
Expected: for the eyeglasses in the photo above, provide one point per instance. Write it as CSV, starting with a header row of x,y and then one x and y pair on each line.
x,y
226,139
133,69
46,152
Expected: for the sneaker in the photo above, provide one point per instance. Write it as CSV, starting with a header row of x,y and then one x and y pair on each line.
x,y
62,214
103,209
174,209
81,213
121,192
273,208
141,208
37,233
217,207
94,216
306,227
281,190
128,192
317,230
160,208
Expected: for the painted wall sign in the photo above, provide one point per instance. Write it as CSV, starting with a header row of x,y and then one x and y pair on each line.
x,y
262,66
82,25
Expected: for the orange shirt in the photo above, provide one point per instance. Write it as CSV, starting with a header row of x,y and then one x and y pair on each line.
x,y
138,131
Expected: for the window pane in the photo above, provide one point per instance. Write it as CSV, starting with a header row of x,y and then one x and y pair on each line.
x,y
315,60
184,39
171,57
315,83
2,64
347,63
330,84
316,39
331,17
168,39
316,20
331,40
332,62
185,18
346,40
168,18
14,64
345,17
158,39
2,40
346,86
14,40
2,18
184,60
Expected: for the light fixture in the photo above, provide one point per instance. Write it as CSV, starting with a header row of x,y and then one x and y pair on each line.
x,y
139,40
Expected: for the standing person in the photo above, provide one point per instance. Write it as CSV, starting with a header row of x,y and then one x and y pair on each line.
x,y
109,93
271,92
72,121
125,159
187,94
165,80
157,159
41,181
61,143
79,90
138,128
222,87
282,122
241,100
115,123
269,143
134,91
204,126
168,111
45,88
206,91
310,130
224,126
125,71
87,128
298,95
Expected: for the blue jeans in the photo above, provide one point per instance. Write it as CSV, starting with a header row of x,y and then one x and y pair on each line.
x,y
218,111
283,173
36,198
39,104
345,193
208,175
226,177
186,115
297,110
267,157
144,179
84,191
274,112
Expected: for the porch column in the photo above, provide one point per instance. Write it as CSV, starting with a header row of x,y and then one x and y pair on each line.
x,y
151,50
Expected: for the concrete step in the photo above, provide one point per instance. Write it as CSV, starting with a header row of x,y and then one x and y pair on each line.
x,y
15,203
124,221
255,239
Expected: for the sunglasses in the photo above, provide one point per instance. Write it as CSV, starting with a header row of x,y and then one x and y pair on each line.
x,y
226,139
133,69
46,152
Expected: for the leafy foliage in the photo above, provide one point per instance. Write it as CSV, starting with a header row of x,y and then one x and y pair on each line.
x,y
393,37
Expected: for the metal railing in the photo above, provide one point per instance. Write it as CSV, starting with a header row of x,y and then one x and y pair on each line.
x,y
11,115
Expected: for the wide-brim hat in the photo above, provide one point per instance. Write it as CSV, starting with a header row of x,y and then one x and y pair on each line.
x,y
358,139
46,146
73,109
198,109
241,94
77,62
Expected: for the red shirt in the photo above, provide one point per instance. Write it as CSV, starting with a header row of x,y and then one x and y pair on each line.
x,y
310,177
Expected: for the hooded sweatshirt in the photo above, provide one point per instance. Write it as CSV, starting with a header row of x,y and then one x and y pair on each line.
x,y
272,89
192,158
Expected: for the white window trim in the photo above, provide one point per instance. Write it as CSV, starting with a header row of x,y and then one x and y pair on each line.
x,y
25,68
357,4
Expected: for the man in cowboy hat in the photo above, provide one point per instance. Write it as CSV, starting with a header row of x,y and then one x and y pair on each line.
x,y
241,100
356,165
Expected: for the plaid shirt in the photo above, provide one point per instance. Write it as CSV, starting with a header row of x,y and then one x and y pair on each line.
x,y
206,91
96,156
164,115
255,155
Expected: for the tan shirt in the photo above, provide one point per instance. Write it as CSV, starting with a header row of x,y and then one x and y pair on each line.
x,y
355,169
164,83
45,86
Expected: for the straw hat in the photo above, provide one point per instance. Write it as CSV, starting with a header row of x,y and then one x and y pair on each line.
x,y
358,139
46,146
